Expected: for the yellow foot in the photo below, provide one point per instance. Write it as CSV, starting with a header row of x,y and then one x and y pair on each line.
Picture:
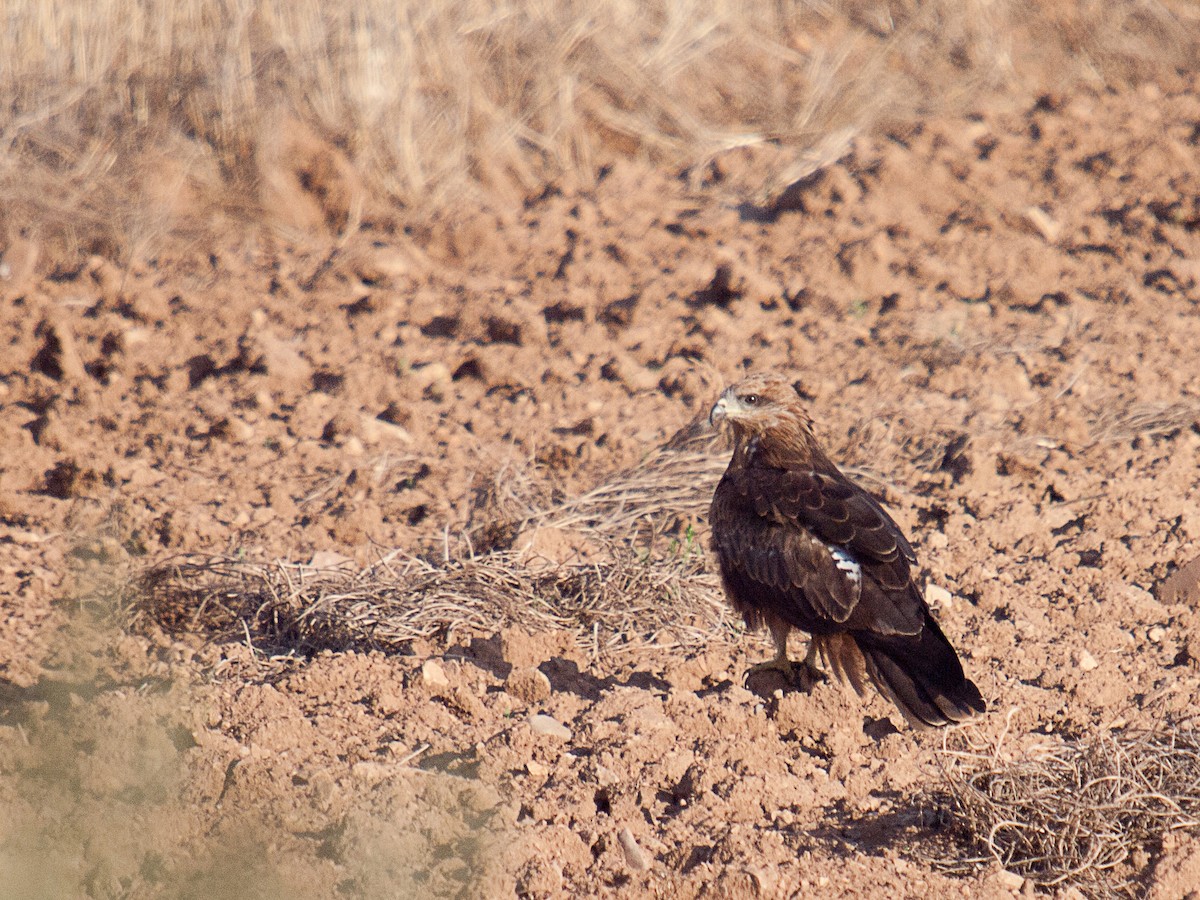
x,y
767,677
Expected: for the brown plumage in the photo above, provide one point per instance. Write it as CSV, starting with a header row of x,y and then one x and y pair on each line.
x,y
801,546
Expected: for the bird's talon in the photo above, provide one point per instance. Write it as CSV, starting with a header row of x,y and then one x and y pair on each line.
x,y
802,676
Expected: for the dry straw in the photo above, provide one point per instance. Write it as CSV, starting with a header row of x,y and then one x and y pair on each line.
x,y
120,119
1089,811
636,579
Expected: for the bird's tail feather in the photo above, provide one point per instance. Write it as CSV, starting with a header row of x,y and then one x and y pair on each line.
x,y
921,674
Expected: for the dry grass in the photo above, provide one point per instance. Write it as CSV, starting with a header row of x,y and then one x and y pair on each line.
x,y
1122,422
120,119
623,604
664,494
1090,812
641,581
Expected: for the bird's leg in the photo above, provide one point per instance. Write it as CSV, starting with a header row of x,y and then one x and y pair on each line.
x,y
803,675
810,673
781,663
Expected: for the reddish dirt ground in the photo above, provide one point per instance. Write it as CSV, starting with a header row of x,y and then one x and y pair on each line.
x,y
996,316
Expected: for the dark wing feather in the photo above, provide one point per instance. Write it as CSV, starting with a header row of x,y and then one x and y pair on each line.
x,y
780,568
778,528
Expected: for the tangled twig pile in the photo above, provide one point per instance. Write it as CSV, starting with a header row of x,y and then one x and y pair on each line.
x,y
1086,812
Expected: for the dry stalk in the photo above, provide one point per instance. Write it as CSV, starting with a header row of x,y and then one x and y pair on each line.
x,y
624,604
140,104
1087,812
1116,423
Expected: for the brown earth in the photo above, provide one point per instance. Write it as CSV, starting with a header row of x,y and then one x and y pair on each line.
x,y
997,321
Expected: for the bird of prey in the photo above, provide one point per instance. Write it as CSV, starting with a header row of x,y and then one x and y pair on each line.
x,y
801,546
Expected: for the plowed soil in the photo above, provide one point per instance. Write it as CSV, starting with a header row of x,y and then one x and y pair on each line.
x,y
996,322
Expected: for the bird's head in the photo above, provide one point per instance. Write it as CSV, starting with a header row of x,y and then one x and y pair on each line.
x,y
765,403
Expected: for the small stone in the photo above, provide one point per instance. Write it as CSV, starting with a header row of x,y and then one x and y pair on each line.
x,y
330,559
938,597
540,878
543,724
241,430
528,685
536,769
375,430
1010,880
282,359
1085,661
433,674
434,376
936,540
634,856
1156,634
605,776
1043,223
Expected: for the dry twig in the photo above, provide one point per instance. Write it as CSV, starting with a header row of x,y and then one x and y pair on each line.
x,y
1086,812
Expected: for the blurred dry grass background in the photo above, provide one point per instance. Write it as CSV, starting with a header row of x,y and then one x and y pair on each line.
x,y
124,120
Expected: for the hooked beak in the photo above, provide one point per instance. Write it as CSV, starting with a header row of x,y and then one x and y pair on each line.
x,y
720,410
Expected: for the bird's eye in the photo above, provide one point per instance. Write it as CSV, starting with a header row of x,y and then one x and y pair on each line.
x,y
751,399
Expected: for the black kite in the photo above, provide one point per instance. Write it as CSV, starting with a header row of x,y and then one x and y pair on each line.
x,y
801,546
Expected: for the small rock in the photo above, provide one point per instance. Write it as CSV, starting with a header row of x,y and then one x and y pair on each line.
x,y
936,540
528,685
338,429
1010,880
1156,634
375,429
1043,223
938,597
330,559
605,776
1085,661
634,856
543,724
465,703
1182,586
433,674
536,769
433,377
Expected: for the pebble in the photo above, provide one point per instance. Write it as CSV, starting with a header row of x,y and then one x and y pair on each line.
x,y
634,856
375,430
536,769
1086,661
1010,880
433,674
543,724
1156,634
1043,223
605,776
938,597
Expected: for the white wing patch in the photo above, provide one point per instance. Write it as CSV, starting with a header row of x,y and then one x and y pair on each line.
x,y
846,564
